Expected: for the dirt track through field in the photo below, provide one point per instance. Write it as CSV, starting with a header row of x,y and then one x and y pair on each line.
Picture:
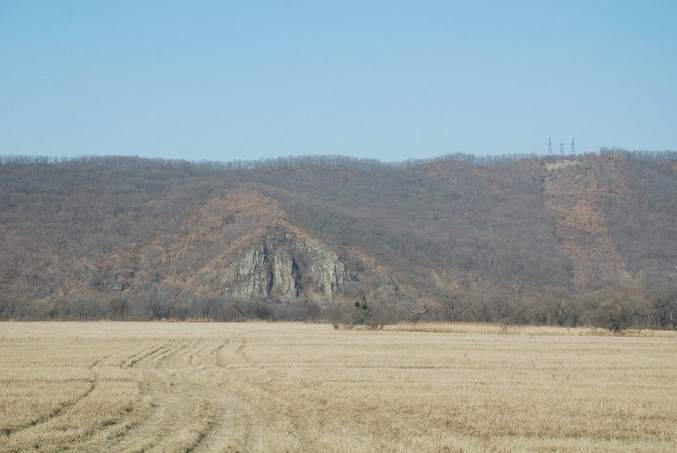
x,y
145,387
183,403
189,410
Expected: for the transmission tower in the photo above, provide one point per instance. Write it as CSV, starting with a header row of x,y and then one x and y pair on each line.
x,y
573,147
549,147
561,148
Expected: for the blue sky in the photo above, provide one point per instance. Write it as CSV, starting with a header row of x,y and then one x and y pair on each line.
x,y
391,80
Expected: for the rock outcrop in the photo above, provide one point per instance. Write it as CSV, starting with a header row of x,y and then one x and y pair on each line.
x,y
282,266
238,245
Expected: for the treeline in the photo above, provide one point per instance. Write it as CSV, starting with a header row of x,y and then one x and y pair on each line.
x,y
367,164
611,309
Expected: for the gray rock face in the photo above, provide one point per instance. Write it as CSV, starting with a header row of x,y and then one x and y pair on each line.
x,y
285,266
250,276
326,271
285,284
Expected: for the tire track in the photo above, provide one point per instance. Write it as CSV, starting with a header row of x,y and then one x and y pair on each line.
x,y
56,412
217,353
117,423
161,359
181,401
173,353
97,362
241,348
123,363
142,356
186,353
189,408
180,420
237,427
299,432
148,433
192,357
219,347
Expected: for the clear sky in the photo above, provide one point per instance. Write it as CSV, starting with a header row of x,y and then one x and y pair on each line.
x,y
391,80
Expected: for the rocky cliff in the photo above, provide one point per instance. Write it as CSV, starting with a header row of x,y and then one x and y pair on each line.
x,y
283,266
241,244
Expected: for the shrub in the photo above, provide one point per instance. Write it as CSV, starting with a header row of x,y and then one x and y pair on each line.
x,y
615,310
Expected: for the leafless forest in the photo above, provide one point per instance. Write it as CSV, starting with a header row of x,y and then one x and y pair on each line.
x,y
572,240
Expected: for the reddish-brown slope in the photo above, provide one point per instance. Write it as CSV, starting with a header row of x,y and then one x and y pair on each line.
x,y
571,192
239,244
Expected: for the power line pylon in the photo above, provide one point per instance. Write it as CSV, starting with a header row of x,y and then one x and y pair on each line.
x,y
573,147
549,146
561,149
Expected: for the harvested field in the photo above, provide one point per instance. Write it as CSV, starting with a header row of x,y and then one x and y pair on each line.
x,y
203,387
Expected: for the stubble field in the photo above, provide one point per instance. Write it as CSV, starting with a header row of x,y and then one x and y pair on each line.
x,y
202,387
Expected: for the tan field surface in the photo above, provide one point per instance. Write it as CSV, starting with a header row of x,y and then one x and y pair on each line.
x,y
213,387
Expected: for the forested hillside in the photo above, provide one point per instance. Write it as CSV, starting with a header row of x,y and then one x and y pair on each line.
x,y
563,240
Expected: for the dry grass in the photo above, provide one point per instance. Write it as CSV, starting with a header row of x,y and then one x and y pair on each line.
x,y
485,328
192,387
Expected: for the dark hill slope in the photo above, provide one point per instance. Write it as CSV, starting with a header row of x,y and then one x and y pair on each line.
x,y
327,230
449,218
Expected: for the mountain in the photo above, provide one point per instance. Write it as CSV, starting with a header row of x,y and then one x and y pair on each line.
x,y
458,237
